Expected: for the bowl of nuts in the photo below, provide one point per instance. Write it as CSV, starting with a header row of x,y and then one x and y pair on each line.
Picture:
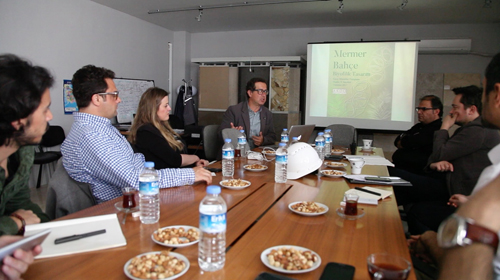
x,y
290,259
308,208
255,167
332,173
235,184
156,265
176,236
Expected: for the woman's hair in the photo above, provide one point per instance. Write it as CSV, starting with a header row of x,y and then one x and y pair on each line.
x,y
147,113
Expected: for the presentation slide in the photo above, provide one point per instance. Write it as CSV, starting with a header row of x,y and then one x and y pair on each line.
x,y
369,85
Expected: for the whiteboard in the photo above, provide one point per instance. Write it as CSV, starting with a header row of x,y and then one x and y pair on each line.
x,y
131,91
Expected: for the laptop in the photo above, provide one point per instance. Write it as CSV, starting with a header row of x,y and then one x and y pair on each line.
x,y
302,131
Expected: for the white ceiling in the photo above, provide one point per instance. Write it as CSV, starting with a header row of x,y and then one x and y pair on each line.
x,y
305,15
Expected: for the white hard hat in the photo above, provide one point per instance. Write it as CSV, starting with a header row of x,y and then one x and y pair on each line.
x,y
302,160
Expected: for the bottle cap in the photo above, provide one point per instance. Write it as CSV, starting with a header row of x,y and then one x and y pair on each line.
x,y
242,131
227,140
149,164
285,129
295,138
282,144
320,133
328,130
213,189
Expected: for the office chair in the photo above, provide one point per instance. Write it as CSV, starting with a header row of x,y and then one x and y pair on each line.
x,y
210,142
343,134
53,137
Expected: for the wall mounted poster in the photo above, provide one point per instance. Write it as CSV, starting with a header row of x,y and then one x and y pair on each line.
x,y
69,100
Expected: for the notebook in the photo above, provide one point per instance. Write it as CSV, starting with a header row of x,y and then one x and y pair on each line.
x,y
368,198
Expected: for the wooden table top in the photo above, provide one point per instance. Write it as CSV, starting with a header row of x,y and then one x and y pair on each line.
x,y
258,218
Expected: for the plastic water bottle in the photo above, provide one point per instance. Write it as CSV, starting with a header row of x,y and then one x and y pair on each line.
x,y
284,136
149,200
212,246
227,158
320,145
328,142
242,143
295,139
280,172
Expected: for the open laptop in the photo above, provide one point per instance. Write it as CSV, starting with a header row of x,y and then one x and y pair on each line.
x,y
301,131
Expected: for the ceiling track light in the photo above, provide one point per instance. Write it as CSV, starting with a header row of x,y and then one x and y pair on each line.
x,y
487,4
244,4
198,18
341,6
403,5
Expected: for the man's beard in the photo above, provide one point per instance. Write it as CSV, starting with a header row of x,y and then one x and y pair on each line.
x,y
23,140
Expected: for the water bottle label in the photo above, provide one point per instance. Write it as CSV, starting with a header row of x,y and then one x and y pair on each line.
x,y
213,223
284,138
320,143
328,139
228,154
149,188
281,159
242,141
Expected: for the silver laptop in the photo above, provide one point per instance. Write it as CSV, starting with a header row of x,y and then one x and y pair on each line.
x,y
301,131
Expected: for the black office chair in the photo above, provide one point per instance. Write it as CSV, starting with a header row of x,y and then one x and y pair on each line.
x,y
210,141
53,137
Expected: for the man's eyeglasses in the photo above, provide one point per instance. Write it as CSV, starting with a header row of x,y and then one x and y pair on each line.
x,y
423,109
261,91
113,93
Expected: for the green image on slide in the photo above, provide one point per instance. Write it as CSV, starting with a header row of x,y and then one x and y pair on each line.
x,y
363,80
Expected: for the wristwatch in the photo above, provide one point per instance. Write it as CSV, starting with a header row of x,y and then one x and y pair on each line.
x,y
460,231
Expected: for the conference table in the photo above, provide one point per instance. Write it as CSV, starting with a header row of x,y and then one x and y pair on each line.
x,y
258,218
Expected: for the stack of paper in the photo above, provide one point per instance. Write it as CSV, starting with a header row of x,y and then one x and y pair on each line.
x,y
112,238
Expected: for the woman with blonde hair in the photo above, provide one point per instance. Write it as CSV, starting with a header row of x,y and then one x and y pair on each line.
x,y
152,135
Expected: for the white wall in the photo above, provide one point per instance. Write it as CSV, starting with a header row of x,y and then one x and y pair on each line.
x,y
285,42
64,35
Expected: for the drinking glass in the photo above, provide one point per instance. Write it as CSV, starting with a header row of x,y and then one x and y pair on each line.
x,y
387,266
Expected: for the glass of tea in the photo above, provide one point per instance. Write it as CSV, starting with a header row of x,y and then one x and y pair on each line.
x,y
387,266
128,197
351,204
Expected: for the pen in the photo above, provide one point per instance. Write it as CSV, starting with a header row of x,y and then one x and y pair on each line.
x,y
78,236
214,161
367,191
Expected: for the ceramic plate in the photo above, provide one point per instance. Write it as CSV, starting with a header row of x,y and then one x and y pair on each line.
x,y
338,151
186,228
224,184
269,152
332,173
263,258
248,167
340,212
334,164
178,256
308,214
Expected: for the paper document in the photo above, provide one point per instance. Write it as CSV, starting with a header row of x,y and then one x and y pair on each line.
x,y
373,160
112,238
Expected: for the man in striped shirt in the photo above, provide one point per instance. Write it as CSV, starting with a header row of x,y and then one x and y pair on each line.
x,y
95,152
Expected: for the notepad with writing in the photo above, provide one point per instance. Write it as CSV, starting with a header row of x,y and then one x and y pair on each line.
x,y
112,238
370,198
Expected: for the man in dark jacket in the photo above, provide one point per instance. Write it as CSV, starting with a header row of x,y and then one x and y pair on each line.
x,y
415,145
252,115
